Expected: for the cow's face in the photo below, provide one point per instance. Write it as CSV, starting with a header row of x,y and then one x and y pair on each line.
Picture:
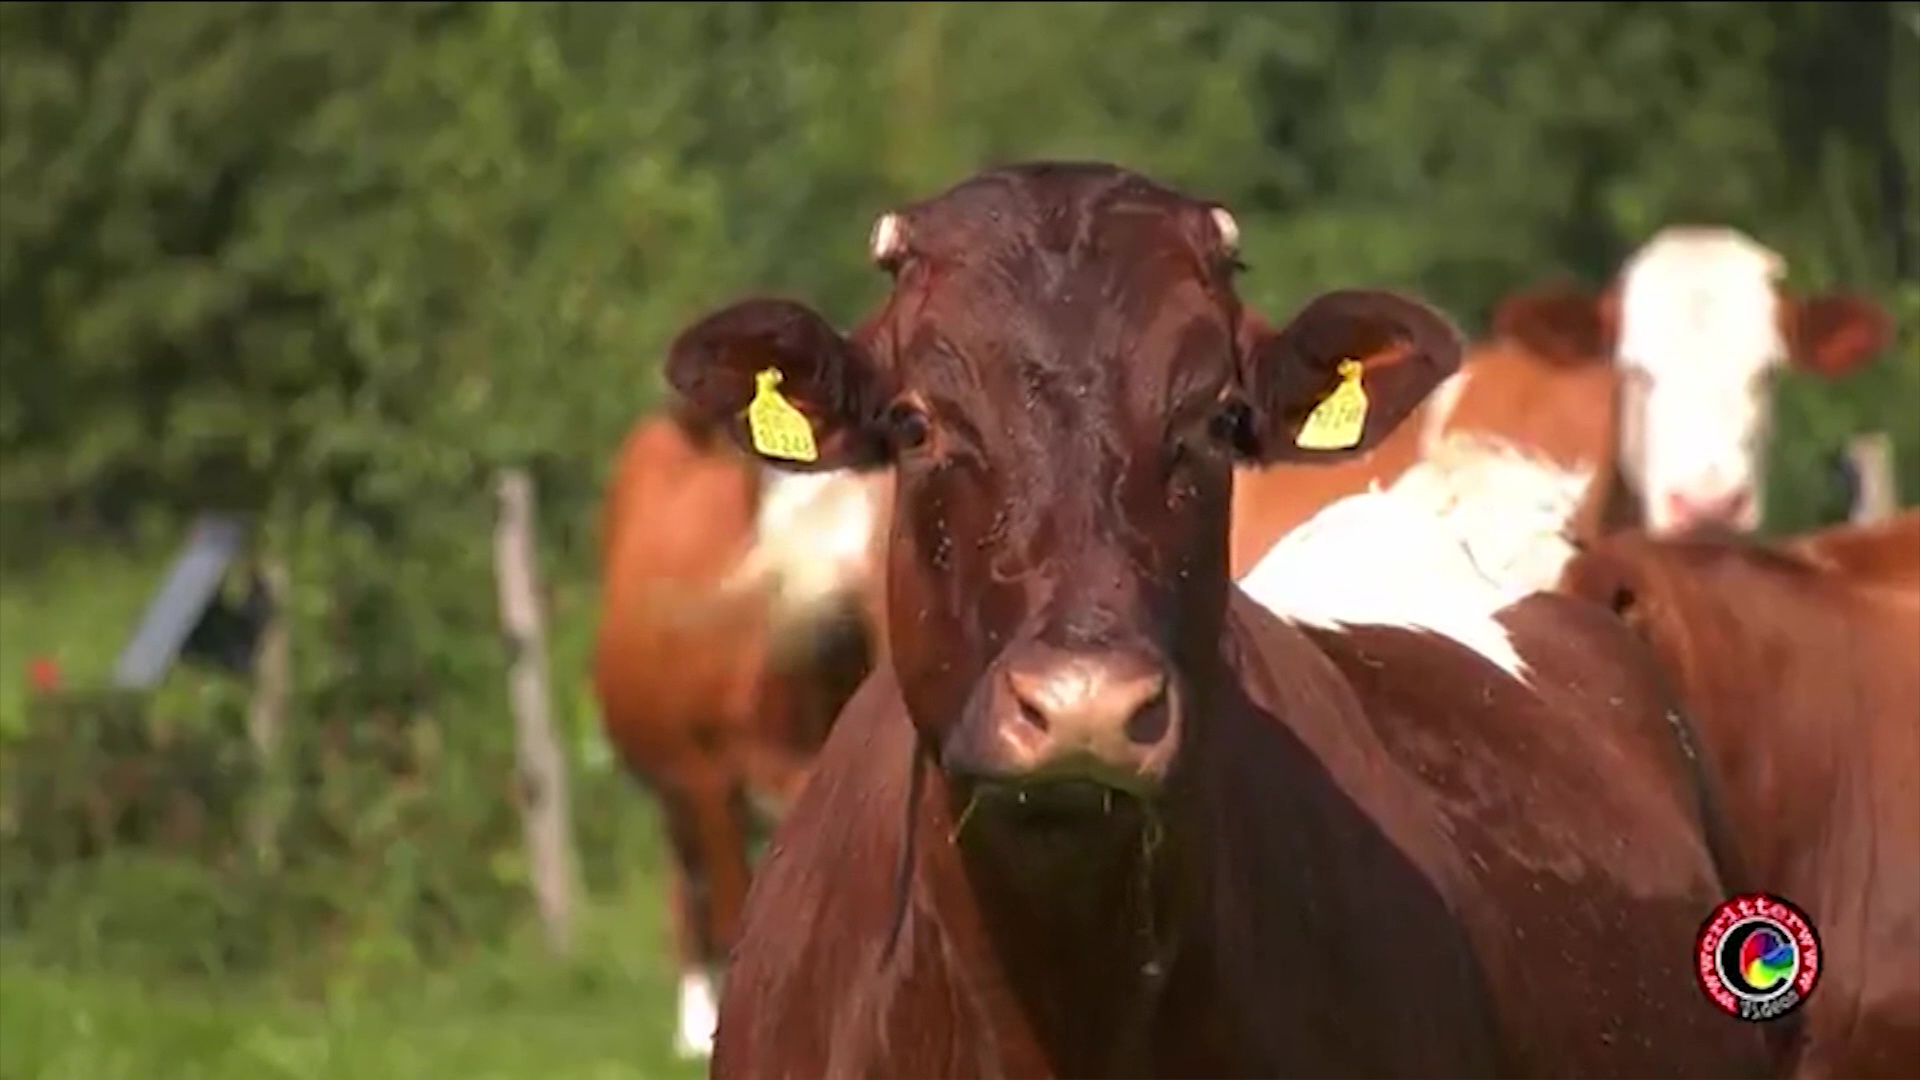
x,y
1063,380
1699,327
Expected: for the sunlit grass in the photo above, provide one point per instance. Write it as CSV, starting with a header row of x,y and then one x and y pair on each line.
x,y
510,1011
94,987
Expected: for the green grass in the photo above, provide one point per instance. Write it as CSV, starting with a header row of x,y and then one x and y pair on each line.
x,y
79,611
91,990
511,1011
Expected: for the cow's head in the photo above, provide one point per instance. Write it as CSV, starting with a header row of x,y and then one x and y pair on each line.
x,y
1063,378
1699,325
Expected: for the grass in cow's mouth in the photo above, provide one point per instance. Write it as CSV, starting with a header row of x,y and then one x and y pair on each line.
x,y
1059,804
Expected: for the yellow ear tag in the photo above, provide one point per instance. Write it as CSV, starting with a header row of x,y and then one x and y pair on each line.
x,y
1340,418
779,430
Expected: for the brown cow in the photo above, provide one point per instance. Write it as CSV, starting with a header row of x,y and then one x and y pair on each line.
x,y
717,674
1799,668
1099,814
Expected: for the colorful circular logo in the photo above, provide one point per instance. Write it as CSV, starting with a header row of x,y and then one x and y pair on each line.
x,y
1757,957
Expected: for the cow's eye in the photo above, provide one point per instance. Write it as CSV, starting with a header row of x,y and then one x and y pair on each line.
x,y
1231,425
906,425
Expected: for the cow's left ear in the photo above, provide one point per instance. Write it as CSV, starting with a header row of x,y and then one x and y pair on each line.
x,y
1833,333
1343,374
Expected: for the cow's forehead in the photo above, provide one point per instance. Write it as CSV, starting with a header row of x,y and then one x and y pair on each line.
x,y
1055,274
1053,205
1701,303
1138,345
1056,238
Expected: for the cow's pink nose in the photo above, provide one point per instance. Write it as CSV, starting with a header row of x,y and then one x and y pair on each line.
x,y
1686,511
1111,716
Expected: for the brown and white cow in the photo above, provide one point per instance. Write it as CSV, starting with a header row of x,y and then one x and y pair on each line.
x,y
1696,329
719,661
1099,813
1660,385
1798,665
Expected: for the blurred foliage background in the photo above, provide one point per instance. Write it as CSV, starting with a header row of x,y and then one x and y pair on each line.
x,y
330,264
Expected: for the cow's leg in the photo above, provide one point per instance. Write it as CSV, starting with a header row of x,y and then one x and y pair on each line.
x,y
709,890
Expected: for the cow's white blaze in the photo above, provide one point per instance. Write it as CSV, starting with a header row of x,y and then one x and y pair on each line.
x,y
1462,535
1699,340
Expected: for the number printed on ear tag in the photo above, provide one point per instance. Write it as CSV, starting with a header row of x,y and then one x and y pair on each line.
x,y
779,430
1340,418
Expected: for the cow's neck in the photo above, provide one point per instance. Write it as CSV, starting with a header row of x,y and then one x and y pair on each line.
x,y
1069,947
1763,771
1278,821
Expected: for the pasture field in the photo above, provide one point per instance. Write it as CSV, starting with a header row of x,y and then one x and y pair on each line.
x,y
458,238
504,1011
124,969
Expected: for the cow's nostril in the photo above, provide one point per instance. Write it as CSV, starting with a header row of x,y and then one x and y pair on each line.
x,y
1149,723
1033,715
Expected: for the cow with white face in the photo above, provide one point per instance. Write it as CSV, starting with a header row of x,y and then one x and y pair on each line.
x,y
1704,328
1697,326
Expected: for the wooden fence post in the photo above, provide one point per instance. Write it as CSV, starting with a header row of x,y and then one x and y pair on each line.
x,y
1876,495
541,764
267,709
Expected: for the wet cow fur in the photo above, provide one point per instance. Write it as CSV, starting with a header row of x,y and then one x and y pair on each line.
x,y
1099,814
1798,666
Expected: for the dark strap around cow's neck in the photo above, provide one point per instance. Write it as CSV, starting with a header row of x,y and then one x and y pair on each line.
x,y
1708,801
919,760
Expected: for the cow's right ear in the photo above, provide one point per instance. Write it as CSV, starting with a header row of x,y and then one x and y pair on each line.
x,y
1562,324
784,384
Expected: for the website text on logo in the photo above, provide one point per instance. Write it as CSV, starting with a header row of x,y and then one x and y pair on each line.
x,y
1757,957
